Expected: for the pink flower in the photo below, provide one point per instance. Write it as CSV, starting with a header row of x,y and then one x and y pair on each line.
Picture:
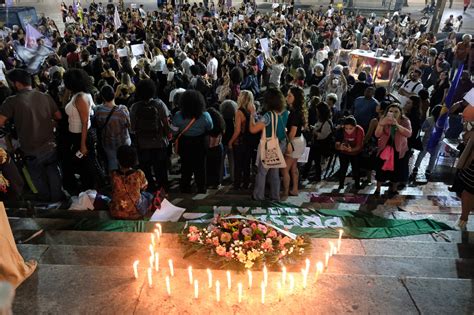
x,y
272,234
247,231
220,250
228,255
226,237
253,226
193,229
193,237
262,228
284,241
215,241
267,244
235,235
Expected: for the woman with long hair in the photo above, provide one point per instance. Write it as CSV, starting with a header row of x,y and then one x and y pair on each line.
x,y
193,123
82,137
297,122
240,141
125,89
276,116
393,131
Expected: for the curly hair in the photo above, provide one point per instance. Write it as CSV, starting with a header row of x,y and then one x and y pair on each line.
x,y
299,104
78,81
274,100
192,104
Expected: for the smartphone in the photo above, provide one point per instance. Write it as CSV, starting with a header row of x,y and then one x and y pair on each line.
x,y
390,114
79,155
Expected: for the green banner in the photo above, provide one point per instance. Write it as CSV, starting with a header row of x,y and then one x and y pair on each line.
x,y
316,223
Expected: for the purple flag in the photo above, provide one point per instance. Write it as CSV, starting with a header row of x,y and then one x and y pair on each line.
x,y
443,118
74,6
32,35
9,3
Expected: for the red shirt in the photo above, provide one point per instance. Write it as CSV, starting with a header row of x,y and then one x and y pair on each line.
x,y
354,140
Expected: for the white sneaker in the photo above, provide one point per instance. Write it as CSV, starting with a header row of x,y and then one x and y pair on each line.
x,y
460,225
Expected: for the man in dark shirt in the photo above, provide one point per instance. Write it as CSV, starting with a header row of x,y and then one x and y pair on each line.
x,y
33,113
365,108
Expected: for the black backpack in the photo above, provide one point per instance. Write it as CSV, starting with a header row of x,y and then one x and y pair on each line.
x,y
148,122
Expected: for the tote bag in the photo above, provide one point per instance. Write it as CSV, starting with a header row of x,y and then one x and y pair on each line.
x,y
270,152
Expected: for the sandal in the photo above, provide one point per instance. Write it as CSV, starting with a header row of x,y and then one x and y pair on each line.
x,y
293,194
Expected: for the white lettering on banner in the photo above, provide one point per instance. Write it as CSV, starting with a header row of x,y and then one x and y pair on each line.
x,y
259,210
243,210
286,217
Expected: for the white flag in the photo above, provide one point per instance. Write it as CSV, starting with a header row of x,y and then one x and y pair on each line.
x,y
117,22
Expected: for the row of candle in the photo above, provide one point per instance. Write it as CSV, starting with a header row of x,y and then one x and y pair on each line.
x,y
154,264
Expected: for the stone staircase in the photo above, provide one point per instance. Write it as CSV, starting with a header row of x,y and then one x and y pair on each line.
x,y
91,272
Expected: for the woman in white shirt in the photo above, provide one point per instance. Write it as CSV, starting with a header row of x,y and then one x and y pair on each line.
x,y
82,137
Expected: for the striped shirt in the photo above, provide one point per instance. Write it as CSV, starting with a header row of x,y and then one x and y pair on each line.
x,y
116,132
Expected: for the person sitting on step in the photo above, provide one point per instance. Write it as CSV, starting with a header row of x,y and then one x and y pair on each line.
x,y
130,201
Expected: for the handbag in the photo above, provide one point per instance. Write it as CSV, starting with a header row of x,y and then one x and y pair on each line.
x,y
176,141
270,152
388,155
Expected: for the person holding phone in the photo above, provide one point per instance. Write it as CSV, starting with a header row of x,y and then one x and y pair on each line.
x,y
393,130
349,144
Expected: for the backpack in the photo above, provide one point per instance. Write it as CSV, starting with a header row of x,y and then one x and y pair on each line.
x,y
148,123
326,146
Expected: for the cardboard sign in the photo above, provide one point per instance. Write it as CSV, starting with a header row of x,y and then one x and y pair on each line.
x,y
241,17
122,52
102,43
265,44
138,49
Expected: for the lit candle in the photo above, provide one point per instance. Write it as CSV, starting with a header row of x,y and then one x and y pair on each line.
x,y
307,265
209,277
152,239
265,275
229,281
305,278
157,234
262,286
150,279
218,291
196,289
135,268
170,264
158,225
331,248
292,283
157,262
168,286
151,259
190,275
319,269
249,273
239,289
326,262
339,240
152,250
283,275
279,290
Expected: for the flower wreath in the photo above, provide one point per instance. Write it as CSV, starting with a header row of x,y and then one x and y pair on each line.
x,y
245,241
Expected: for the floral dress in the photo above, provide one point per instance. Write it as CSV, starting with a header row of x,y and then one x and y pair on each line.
x,y
127,200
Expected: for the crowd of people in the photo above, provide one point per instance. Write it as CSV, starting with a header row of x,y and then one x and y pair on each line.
x,y
125,88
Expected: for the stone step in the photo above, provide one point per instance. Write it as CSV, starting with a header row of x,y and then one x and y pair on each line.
x,y
368,247
390,265
71,289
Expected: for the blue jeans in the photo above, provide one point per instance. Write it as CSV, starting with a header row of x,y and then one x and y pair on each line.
x,y
273,179
112,162
45,175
